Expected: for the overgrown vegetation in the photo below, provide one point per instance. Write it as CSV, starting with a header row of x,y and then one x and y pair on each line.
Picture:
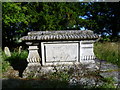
x,y
64,79
5,63
108,51
60,79
16,60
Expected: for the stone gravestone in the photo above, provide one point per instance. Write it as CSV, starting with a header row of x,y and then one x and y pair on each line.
x,y
48,48
20,49
7,51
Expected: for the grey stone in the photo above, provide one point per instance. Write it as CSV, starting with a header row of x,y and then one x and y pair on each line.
x,y
20,49
7,51
32,70
67,52
60,35
61,47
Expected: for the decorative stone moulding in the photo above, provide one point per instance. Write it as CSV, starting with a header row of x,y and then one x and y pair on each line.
x,y
60,35
60,47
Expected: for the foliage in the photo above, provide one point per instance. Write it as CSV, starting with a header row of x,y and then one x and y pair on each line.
x,y
22,17
108,83
61,75
16,56
109,39
108,51
60,79
19,18
5,64
15,60
106,17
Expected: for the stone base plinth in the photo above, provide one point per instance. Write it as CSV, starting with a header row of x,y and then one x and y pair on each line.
x,y
32,70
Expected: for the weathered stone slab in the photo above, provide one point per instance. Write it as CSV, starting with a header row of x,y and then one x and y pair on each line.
x,y
60,35
20,49
86,51
60,47
59,52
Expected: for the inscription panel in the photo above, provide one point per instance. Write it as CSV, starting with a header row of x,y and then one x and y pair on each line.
x,y
61,52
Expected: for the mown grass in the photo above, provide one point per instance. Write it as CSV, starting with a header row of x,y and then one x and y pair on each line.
x,y
108,51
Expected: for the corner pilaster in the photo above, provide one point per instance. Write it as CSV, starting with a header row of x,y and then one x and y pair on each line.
x,y
33,59
33,56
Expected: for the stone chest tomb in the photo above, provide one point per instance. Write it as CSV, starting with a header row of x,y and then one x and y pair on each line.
x,y
60,47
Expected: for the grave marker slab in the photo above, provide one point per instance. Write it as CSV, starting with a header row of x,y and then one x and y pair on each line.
x,y
7,51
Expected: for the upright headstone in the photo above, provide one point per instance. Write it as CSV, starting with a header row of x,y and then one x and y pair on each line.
x,y
20,49
7,51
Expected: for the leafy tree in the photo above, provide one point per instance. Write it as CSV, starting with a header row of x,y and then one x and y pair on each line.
x,y
19,18
106,17
14,22
22,17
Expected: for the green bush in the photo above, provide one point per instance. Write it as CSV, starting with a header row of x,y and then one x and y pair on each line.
x,y
107,51
5,63
14,60
5,66
16,57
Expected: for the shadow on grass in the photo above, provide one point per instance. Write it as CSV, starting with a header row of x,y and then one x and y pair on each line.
x,y
38,83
